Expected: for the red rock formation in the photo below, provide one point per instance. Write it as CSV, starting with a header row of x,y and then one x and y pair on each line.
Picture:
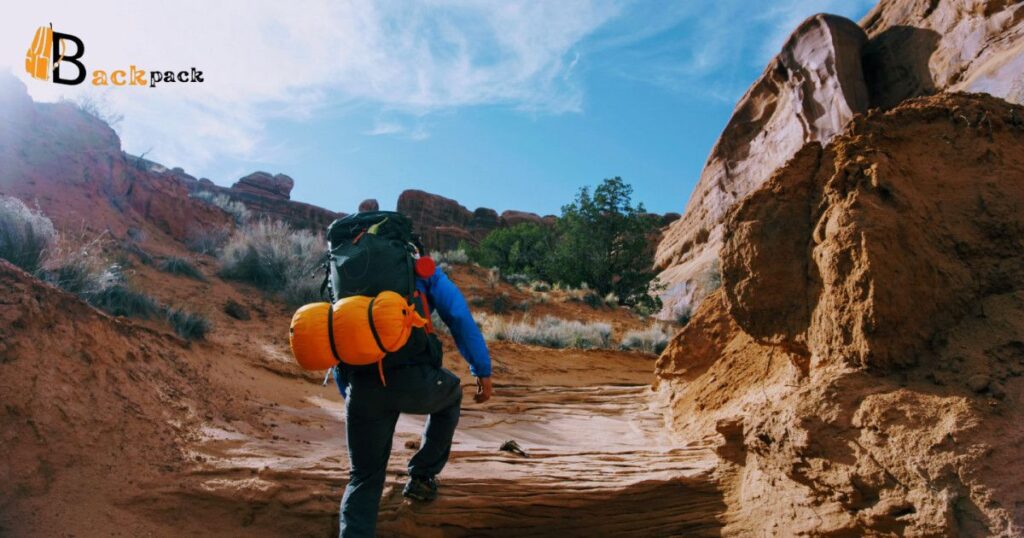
x,y
862,367
808,92
368,205
70,165
825,74
444,223
265,185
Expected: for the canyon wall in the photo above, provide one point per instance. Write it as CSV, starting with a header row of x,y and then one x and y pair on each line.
x,y
828,71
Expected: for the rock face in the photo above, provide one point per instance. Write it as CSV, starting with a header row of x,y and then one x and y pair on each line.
x,y
808,92
862,366
266,185
829,71
70,165
919,48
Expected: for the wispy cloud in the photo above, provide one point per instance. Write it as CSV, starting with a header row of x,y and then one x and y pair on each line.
x,y
384,128
266,61
704,49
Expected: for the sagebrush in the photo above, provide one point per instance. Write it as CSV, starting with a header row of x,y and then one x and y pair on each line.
x,y
275,258
25,234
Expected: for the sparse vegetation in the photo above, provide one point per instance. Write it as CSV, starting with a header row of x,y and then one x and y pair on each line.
x,y
450,257
25,234
120,300
682,314
97,108
234,208
549,331
654,339
183,267
188,325
208,240
275,258
236,310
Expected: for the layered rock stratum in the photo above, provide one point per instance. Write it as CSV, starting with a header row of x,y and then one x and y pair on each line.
x,y
828,71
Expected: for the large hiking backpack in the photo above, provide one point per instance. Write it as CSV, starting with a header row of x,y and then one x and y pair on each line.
x,y
373,252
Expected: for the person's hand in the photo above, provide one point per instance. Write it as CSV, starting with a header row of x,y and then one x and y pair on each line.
x,y
484,389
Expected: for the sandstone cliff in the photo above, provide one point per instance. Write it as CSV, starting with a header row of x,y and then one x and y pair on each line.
x,y
828,71
861,367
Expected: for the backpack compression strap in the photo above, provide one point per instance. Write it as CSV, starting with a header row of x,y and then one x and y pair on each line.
x,y
376,338
330,333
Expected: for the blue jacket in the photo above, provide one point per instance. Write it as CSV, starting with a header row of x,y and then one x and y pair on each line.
x,y
445,298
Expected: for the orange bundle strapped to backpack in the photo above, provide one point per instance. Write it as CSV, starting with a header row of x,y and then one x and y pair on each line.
x,y
357,331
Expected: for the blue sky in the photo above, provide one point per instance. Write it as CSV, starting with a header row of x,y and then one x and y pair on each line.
x,y
508,105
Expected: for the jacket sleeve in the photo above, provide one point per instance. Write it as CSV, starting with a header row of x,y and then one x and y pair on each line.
x,y
446,299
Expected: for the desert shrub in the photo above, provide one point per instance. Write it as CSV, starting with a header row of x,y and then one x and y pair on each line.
x,y
501,304
77,264
183,267
593,300
493,277
653,339
98,108
549,331
275,258
25,235
519,280
236,310
450,257
208,240
120,300
236,209
682,314
540,286
523,249
188,325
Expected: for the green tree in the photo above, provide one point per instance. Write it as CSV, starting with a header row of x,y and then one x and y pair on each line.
x,y
524,248
604,241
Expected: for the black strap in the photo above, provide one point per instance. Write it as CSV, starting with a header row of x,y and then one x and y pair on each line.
x,y
411,266
330,332
373,329
327,278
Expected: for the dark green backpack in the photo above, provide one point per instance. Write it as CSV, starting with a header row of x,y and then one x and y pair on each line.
x,y
370,253
373,252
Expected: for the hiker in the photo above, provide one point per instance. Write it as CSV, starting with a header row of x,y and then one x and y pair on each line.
x,y
411,380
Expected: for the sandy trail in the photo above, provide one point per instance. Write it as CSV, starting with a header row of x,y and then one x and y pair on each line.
x,y
599,463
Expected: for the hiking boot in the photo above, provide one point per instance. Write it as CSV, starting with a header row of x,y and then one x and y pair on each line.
x,y
421,489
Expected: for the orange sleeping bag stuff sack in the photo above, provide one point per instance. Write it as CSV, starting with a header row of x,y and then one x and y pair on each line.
x,y
357,331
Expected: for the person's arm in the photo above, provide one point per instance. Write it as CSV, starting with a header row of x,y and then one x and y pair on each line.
x,y
446,299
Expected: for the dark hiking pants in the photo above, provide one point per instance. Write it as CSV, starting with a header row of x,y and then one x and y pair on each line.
x,y
371,412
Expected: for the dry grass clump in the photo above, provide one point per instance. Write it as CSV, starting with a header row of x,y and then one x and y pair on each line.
x,y
653,339
25,234
548,331
275,258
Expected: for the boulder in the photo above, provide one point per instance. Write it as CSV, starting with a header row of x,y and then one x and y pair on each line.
x,y
368,205
511,218
264,184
